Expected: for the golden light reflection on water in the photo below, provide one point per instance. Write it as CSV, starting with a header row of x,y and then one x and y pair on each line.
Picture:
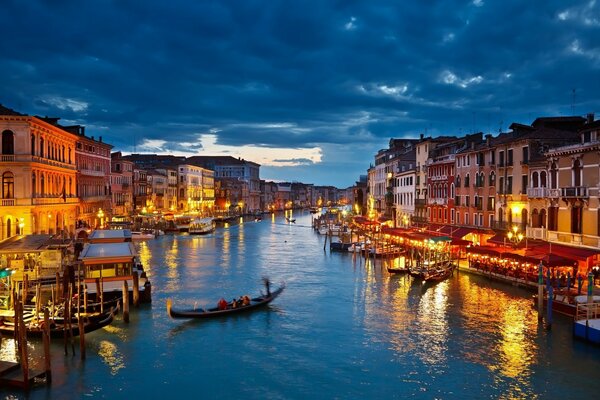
x,y
145,256
8,351
512,323
111,356
171,262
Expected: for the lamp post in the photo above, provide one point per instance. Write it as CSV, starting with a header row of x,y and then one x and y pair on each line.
x,y
101,217
515,236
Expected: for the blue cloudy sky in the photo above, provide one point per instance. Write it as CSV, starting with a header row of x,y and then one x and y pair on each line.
x,y
308,89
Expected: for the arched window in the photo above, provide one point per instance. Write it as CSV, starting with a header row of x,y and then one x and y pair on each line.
x,y
534,179
41,147
43,185
542,218
8,185
33,145
577,172
500,214
524,216
467,180
553,176
8,227
8,142
452,190
543,182
492,178
535,218
457,180
33,188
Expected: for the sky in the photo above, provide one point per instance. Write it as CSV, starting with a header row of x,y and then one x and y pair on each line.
x,y
311,90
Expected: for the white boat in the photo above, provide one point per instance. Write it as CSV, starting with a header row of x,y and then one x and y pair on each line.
x,y
142,235
201,226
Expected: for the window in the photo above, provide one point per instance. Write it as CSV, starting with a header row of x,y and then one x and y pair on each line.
x,y
553,176
509,180
492,178
452,214
524,184
577,172
501,158
466,218
526,155
492,157
510,158
8,142
467,180
491,203
501,188
8,185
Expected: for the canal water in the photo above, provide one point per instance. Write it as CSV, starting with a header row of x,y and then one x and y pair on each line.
x,y
343,329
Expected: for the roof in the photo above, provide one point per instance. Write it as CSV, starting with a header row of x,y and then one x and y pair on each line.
x,y
107,250
109,234
21,244
8,111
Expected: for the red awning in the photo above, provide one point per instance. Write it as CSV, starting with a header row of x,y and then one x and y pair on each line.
x,y
460,242
459,233
575,253
364,221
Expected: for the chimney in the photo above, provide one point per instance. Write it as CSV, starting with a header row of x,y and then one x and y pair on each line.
x,y
421,136
590,118
100,139
92,138
488,138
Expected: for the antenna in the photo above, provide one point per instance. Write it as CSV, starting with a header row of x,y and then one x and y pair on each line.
x,y
134,150
573,102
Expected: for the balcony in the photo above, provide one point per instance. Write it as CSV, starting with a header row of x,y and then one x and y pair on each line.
x,y
439,178
553,193
574,192
416,219
91,172
30,158
506,226
7,202
39,201
537,193
437,201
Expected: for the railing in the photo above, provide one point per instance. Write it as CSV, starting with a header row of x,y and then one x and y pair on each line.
x,y
416,219
554,193
7,202
91,172
537,192
54,200
437,201
420,202
439,178
506,226
536,233
574,191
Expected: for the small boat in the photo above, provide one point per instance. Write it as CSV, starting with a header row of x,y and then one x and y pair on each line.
x,y
201,226
314,210
216,312
257,219
399,270
142,235
291,221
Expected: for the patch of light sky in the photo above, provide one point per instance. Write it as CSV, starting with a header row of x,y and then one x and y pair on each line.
x,y
65,103
267,156
450,78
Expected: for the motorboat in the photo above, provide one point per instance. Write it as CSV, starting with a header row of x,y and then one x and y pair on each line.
x,y
201,226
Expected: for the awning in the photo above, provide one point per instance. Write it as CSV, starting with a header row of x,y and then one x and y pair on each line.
x,y
575,253
365,221
459,233
549,260
499,238
460,242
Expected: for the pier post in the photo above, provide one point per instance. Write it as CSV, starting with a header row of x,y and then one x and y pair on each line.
x,y
136,289
23,336
125,302
81,336
25,288
540,291
98,295
57,296
550,299
46,338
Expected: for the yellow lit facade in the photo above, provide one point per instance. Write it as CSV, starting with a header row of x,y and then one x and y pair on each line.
x,y
38,176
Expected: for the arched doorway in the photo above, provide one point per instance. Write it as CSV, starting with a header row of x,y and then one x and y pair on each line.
x,y
524,215
8,227
543,218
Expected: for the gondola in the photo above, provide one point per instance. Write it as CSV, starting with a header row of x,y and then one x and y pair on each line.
x,y
216,312
291,221
393,270
57,328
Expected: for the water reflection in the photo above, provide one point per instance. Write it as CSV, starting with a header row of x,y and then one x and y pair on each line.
x,y
111,356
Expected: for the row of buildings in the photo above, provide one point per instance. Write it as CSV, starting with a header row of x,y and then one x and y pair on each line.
x,y
55,179
538,181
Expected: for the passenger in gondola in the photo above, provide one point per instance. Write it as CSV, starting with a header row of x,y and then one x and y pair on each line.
x,y
234,303
246,300
222,304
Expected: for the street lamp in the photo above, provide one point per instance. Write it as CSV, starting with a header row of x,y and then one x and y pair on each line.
x,y
515,236
101,217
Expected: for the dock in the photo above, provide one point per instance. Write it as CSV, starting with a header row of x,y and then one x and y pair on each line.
x,y
13,375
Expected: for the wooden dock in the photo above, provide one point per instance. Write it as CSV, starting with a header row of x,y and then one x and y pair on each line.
x,y
11,375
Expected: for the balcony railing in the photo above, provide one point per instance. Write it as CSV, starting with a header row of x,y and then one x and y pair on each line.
x,y
537,192
574,192
440,201
506,226
30,158
420,202
554,193
7,202
91,172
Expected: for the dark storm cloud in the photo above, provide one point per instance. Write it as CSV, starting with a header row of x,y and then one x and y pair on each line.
x,y
298,74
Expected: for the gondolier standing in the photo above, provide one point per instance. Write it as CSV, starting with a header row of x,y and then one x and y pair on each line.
x,y
268,286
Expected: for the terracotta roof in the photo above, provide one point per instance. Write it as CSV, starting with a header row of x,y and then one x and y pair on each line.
x,y
8,111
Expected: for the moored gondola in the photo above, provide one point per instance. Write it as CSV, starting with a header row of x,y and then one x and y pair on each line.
x,y
216,311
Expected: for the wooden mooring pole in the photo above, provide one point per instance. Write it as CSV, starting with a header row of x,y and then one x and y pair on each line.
x,y
46,338
125,302
136,289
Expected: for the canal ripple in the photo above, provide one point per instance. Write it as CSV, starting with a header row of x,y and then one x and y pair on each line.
x,y
342,329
